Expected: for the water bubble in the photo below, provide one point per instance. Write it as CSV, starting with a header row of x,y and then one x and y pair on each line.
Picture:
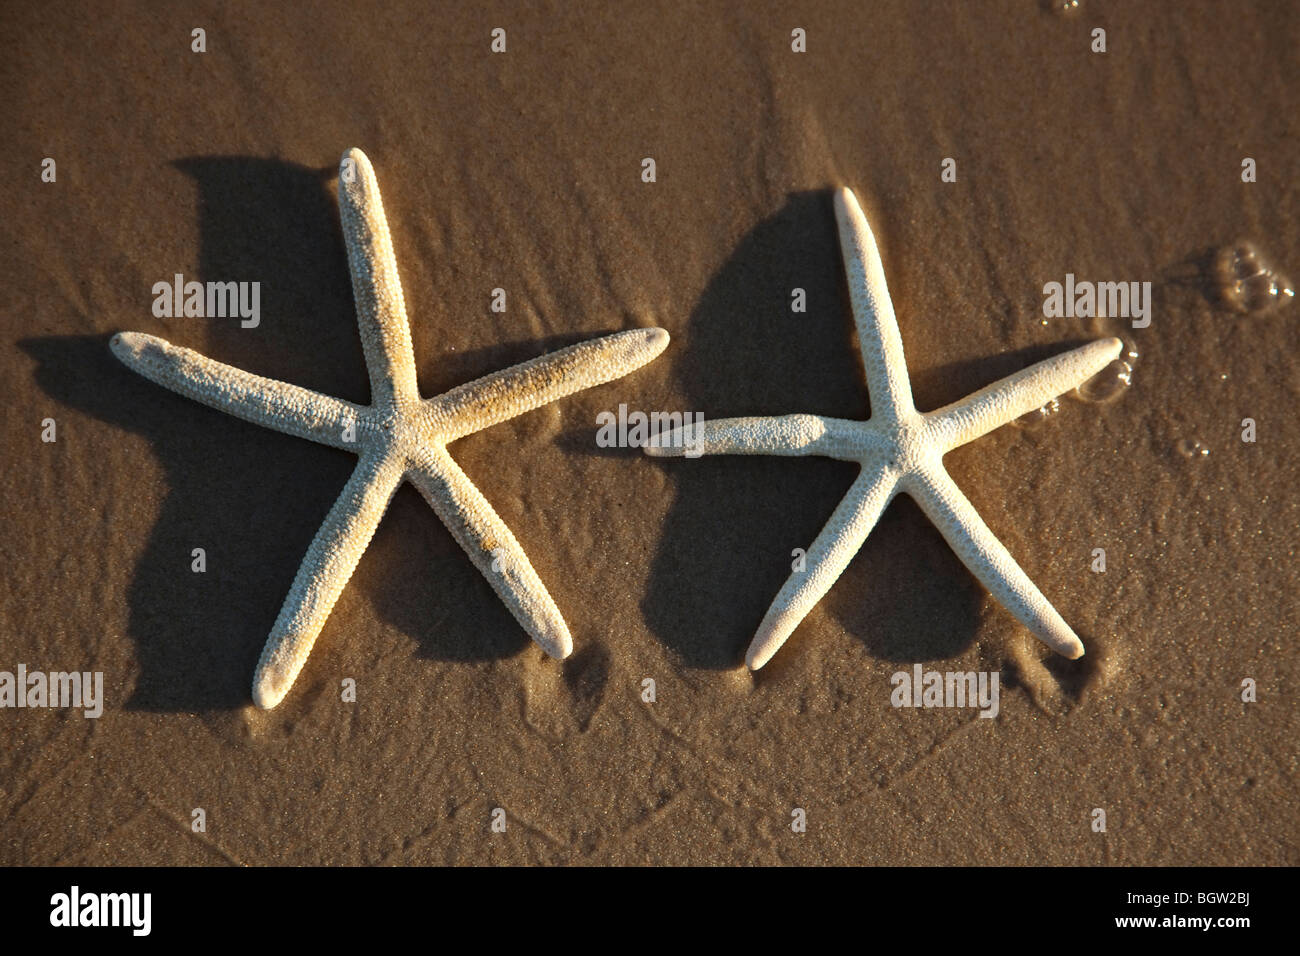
x,y
1246,282
1191,448
1108,384
1063,8
1038,415
1259,292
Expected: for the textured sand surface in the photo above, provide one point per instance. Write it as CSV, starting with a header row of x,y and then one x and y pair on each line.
x,y
522,171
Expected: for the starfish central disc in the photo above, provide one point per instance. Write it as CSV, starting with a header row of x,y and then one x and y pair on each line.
x,y
907,448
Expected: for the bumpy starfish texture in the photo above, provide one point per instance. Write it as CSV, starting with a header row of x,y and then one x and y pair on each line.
x,y
398,437
900,450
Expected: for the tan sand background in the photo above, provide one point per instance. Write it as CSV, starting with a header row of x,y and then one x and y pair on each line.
x,y
522,171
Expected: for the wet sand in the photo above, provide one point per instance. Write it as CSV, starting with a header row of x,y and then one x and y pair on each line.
x,y
522,171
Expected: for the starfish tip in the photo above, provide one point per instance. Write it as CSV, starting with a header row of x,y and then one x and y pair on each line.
x,y
128,345
353,154
657,338
267,692
845,199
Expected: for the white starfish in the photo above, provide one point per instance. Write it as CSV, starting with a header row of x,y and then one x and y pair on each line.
x,y
398,437
899,449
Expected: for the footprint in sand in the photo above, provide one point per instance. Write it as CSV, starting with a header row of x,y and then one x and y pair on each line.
x,y
561,701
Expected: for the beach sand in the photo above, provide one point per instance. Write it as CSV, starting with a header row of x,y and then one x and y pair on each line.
x,y
522,171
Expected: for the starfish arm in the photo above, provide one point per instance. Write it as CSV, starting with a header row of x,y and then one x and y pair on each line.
x,y
262,401
521,388
485,538
776,435
1016,395
381,312
825,561
988,559
331,558
873,311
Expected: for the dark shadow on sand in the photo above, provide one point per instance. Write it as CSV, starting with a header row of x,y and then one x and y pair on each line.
x,y
726,547
253,498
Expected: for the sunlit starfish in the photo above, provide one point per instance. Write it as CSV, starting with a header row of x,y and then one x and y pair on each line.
x,y
398,437
899,449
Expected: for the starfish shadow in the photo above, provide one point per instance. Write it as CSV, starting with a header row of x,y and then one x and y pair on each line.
x,y
233,490
252,498
727,544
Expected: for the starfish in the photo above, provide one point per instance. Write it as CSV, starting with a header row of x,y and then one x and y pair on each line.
x,y
899,450
398,437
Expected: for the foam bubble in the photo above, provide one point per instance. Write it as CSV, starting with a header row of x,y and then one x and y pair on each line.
x,y
1108,384
1246,282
